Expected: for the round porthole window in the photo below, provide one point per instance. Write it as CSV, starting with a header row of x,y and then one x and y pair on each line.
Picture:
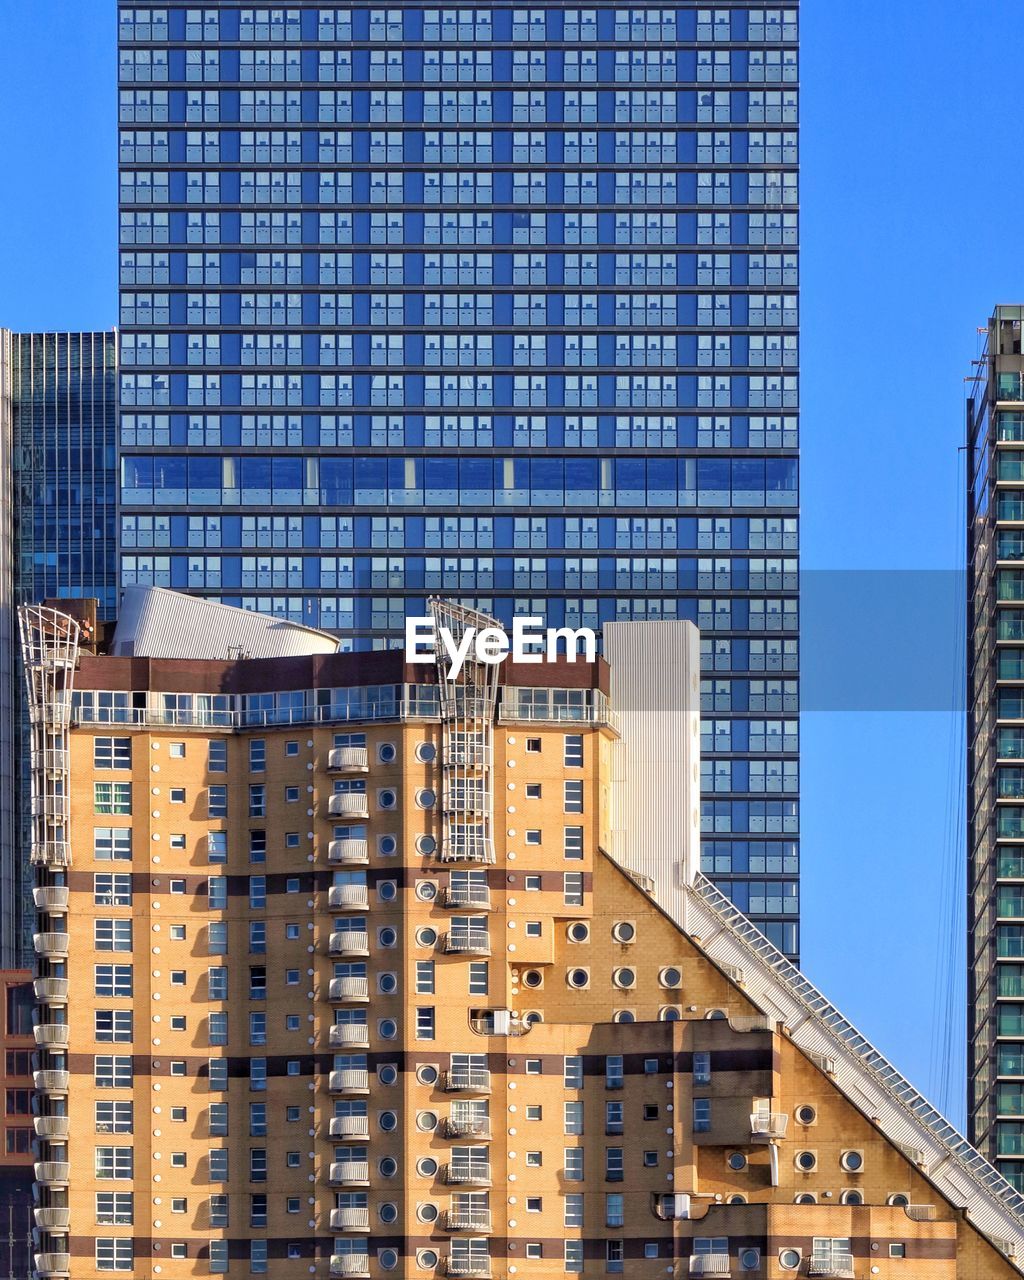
x,y
806,1161
899,1200
426,1075
578,978
578,931
671,978
851,1197
387,890
789,1259
387,799
387,937
624,978
806,1114
737,1200
852,1161
716,1015
425,844
388,1258
388,1212
387,753
531,1018
669,1013
623,931
426,752
388,1167
388,1074
426,1121
737,1160
533,978
625,1015
388,1028
427,1213
427,1259
426,937
426,798
387,983
426,1167
387,845
750,1259
426,891
808,1197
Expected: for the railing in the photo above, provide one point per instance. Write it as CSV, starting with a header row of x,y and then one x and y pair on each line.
x,y
52,897
348,759
348,804
55,854
52,1172
474,1268
53,1035
349,942
50,990
752,1022
53,1264
349,1081
837,1268
350,1264
352,897
348,1171
468,1220
349,1127
476,1174
349,989
53,1219
350,1219
472,941
51,1081
467,1079
921,1212
51,944
350,1033
411,707
51,1126
710,1264
348,851
900,1092
466,1127
768,1124
467,896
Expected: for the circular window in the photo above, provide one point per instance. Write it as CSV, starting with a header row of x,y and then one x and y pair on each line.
x,y
806,1114
578,931
669,1013
808,1197
671,978
716,1015
852,1161
388,1028
426,752
623,931
531,1018
388,1258
427,1213
533,978
388,1212
899,1200
387,845
737,1200
851,1197
624,978
387,937
426,844
790,1259
388,1121
387,799
387,753
578,978
387,890
426,1167
388,1074
426,1075
806,1161
737,1160
426,891
625,1015
427,1259
750,1259
388,1167
387,983
426,937
426,1121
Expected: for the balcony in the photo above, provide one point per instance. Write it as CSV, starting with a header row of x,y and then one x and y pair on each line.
x,y
350,1127
350,1173
477,1220
350,1264
350,942
349,897
840,1268
349,852
350,1034
55,855
710,1264
477,896
53,1264
350,1219
349,989
476,1174
474,1268
466,1127
766,1125
348,804
467,1080
51,990
52,1035
471,942
348,760
56,1220
52,946
921,1212
53,897
349,1081
51,1126
52,1082
52,1173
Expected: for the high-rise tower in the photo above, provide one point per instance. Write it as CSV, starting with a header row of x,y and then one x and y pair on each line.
x,y
487,300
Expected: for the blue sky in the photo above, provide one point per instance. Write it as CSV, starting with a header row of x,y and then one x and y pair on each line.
x,y
912,186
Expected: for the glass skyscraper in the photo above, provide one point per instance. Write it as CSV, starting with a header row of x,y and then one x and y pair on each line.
x,y
492,301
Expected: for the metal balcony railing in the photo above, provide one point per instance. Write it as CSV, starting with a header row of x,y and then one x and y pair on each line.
x,y
345,989
348,804
472,1268
350,1033
466,1127
52,1035
836,1268
349,1172
51,1081
467,1080
710,1264
349,897
53,897
52,1173
349,942
53,1219
468,1220
476,942
768,1124
51,1126
53,1264
472,895
51,945
348,760
348,852
350,1219
349,1081
349,1127
51,990
475,1174
350,1264
53,854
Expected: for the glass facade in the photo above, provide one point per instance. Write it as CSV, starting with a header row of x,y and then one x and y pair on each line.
x,y
495,302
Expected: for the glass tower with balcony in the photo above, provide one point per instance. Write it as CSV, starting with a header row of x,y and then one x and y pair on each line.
x,y
480,300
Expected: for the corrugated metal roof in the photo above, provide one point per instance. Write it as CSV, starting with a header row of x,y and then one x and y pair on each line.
x,y
156,623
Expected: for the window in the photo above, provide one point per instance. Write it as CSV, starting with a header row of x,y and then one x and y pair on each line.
x,y
115,1162
112,1072
112,935
112,980
112,797
217,756
112,753
572,755
115,1208
573,1160
425,1023
257,755
572,1072
572,1209
572,846
613,1071
110,890
702,1068
114,1254
573,797
424,977
614,1170
217,801
573,1117
701,1115
112,844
